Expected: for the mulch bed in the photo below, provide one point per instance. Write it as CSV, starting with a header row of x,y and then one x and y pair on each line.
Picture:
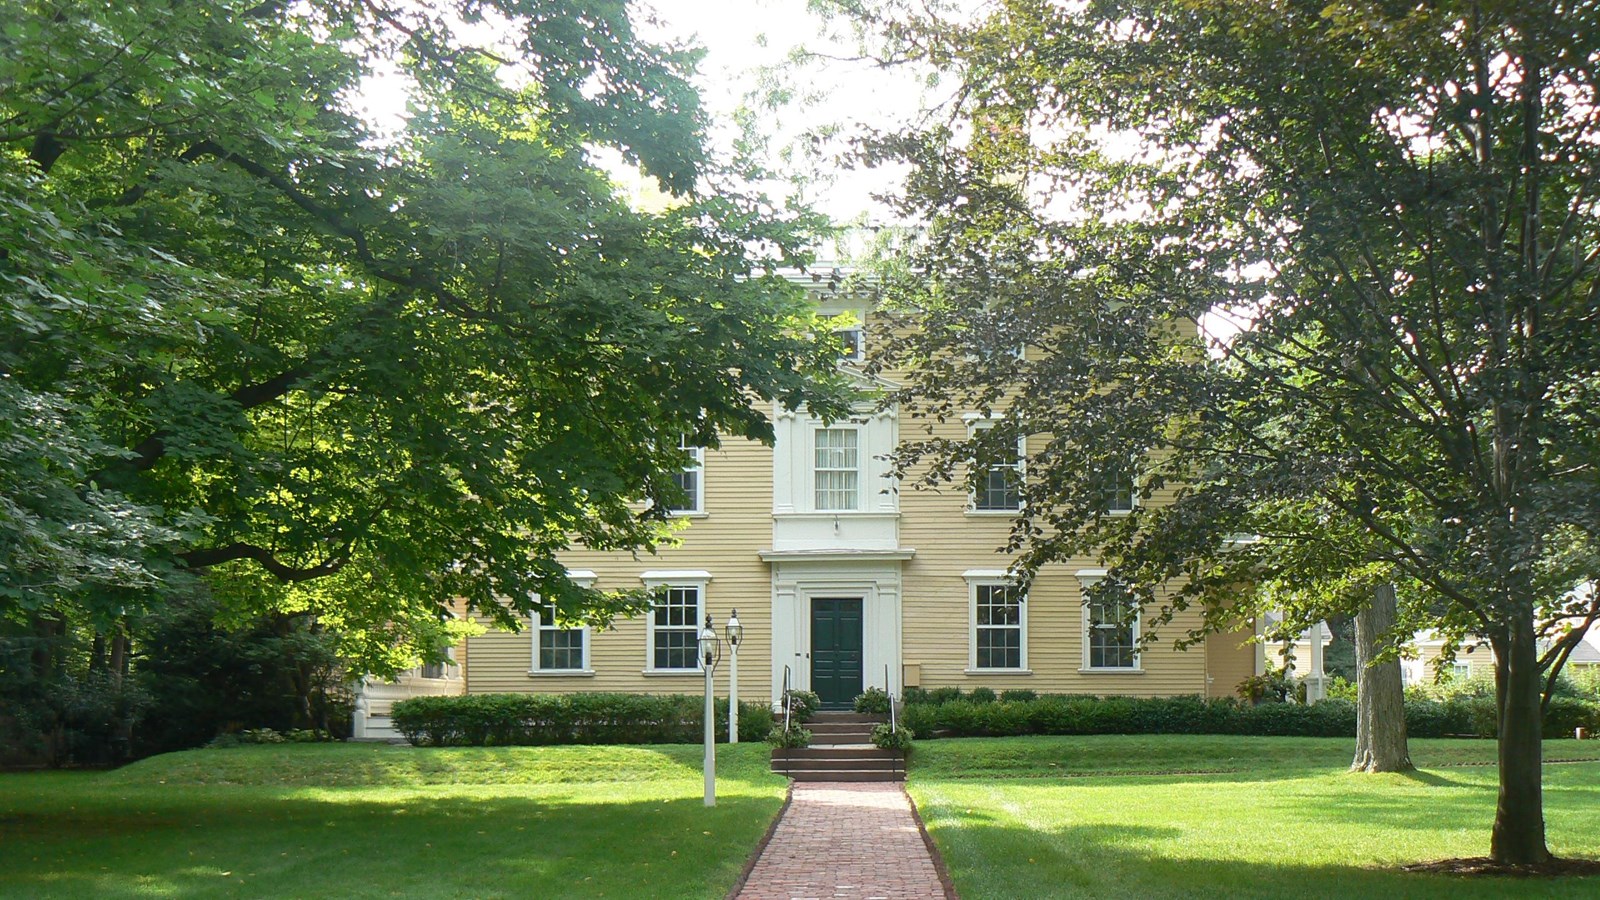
x,y
1483,865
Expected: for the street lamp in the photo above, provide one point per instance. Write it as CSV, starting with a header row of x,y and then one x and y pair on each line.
x,y
710,655
735,633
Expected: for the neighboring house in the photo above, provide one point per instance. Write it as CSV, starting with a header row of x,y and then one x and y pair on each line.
x,y
842,582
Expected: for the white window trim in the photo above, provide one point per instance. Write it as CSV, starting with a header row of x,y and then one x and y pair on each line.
x,y
697,508
975,423
673,578
1087,578
583,578
861,469
1133,494
860,354
977,578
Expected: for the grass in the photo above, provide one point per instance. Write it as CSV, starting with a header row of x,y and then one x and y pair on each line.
x,y
1273,817
352,820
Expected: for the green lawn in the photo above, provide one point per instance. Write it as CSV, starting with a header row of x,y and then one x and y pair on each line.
x,y
1270,817
354,820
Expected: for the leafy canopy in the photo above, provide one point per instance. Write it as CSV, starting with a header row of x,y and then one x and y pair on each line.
x,y
251,337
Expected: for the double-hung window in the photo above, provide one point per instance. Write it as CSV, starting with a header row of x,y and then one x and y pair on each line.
x,y
1111,626
692,480
996,481
999,486
673,623
836,472
1114,488
560,648
999,627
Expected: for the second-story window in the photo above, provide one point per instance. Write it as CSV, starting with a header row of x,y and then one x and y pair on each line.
x,y
837,469
1115,490
999,486
692,480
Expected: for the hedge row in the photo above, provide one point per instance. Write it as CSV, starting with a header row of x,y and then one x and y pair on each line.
x,y
1474,717
541,719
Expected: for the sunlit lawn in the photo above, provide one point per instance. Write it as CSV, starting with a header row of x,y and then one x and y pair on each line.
x,y
1278,817
380,821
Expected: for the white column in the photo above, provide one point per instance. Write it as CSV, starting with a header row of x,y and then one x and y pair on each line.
x,y
1316,684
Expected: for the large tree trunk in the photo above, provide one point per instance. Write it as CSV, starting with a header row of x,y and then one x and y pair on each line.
x,y
1518,837
1380,695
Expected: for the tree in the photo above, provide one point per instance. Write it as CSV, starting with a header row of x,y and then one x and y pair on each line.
x,y
1396,201
1380,693
252,337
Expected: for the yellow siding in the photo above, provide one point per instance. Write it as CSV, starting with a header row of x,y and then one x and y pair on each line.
x,y
1230,659
936,626
949,540
724,541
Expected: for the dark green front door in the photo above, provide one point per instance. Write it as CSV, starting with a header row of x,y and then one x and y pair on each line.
x,y
836,650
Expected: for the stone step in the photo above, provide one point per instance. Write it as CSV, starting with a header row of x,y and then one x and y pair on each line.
x,y
843,764
837,716
840,727
833,751
852,775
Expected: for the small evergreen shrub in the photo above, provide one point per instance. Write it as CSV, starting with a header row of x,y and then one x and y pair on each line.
x,y
802,704
1018,695
892,737
794,737
543,719
1068,714
982,695
874,701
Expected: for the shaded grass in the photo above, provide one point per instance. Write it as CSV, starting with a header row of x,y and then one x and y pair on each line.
x,y
1284,820
369,821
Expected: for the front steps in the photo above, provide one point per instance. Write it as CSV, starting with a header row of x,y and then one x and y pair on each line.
x,y
841,750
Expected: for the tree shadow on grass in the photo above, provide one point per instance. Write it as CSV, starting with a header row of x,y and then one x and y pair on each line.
x,y
280,842
992,860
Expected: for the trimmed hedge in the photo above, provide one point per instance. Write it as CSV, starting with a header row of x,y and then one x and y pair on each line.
x,y
1076,714
542,719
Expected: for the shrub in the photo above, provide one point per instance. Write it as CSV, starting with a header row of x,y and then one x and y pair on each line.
x,y
540,719
1018,695
874,701
940,696
802,704
1339,689
1067,714
982,695
892,737
921,719
793,737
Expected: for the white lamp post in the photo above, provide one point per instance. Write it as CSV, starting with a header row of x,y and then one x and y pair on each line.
x,y
735,633
710,654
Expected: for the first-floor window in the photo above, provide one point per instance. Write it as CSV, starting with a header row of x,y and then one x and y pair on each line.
x,y
1113,630
1460,671
998,638
559,648
675,628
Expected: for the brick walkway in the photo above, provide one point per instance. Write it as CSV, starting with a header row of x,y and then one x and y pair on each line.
x,y
845,840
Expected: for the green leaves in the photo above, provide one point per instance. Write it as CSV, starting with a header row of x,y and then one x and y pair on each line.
x,y
358,374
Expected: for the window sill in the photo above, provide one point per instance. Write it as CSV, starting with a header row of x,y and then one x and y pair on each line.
x,y
672,673
997,671
560,673
1117,671
676,514
993,513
